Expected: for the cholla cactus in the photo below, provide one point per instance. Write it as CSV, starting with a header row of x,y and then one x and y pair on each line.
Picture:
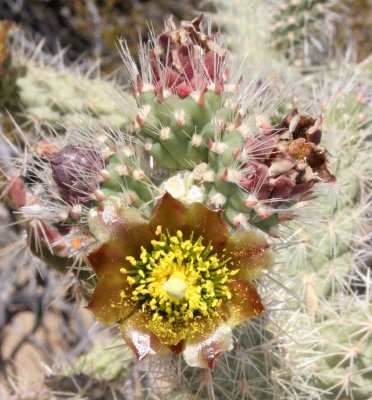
x,y
177,277
333,260
40,91
301,28
298,31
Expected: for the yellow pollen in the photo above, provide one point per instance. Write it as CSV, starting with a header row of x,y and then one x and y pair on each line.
x,y
179,279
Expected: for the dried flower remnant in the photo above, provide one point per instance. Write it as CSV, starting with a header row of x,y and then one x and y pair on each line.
x,y
285,162
178,283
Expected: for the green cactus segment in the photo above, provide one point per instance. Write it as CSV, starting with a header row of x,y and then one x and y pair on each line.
x,y
48,95
176,130
123,177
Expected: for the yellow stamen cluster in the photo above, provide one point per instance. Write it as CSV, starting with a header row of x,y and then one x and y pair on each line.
x,y
179,279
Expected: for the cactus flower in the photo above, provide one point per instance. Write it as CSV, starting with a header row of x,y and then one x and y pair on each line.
x,y
176,283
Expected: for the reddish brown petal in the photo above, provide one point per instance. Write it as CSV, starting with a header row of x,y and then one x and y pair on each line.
x,y
120,227
169,213
244,304
205,342
207,223
107,259
250,253
178,348
111,299
143,342
172,78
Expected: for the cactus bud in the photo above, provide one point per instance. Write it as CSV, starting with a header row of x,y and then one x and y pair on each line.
x,y
75,171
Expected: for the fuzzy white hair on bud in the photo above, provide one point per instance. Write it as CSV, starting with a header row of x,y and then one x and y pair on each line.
x,y
233,176
148,145
122,170
143,112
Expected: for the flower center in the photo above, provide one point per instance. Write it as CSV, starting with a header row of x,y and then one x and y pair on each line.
x,y
179,279
175,287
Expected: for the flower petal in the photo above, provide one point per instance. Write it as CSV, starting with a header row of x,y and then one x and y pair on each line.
x,y
206,341
107,259
244,304
169,213
143,343
172,215
119,226
250,253
111,299
207,223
